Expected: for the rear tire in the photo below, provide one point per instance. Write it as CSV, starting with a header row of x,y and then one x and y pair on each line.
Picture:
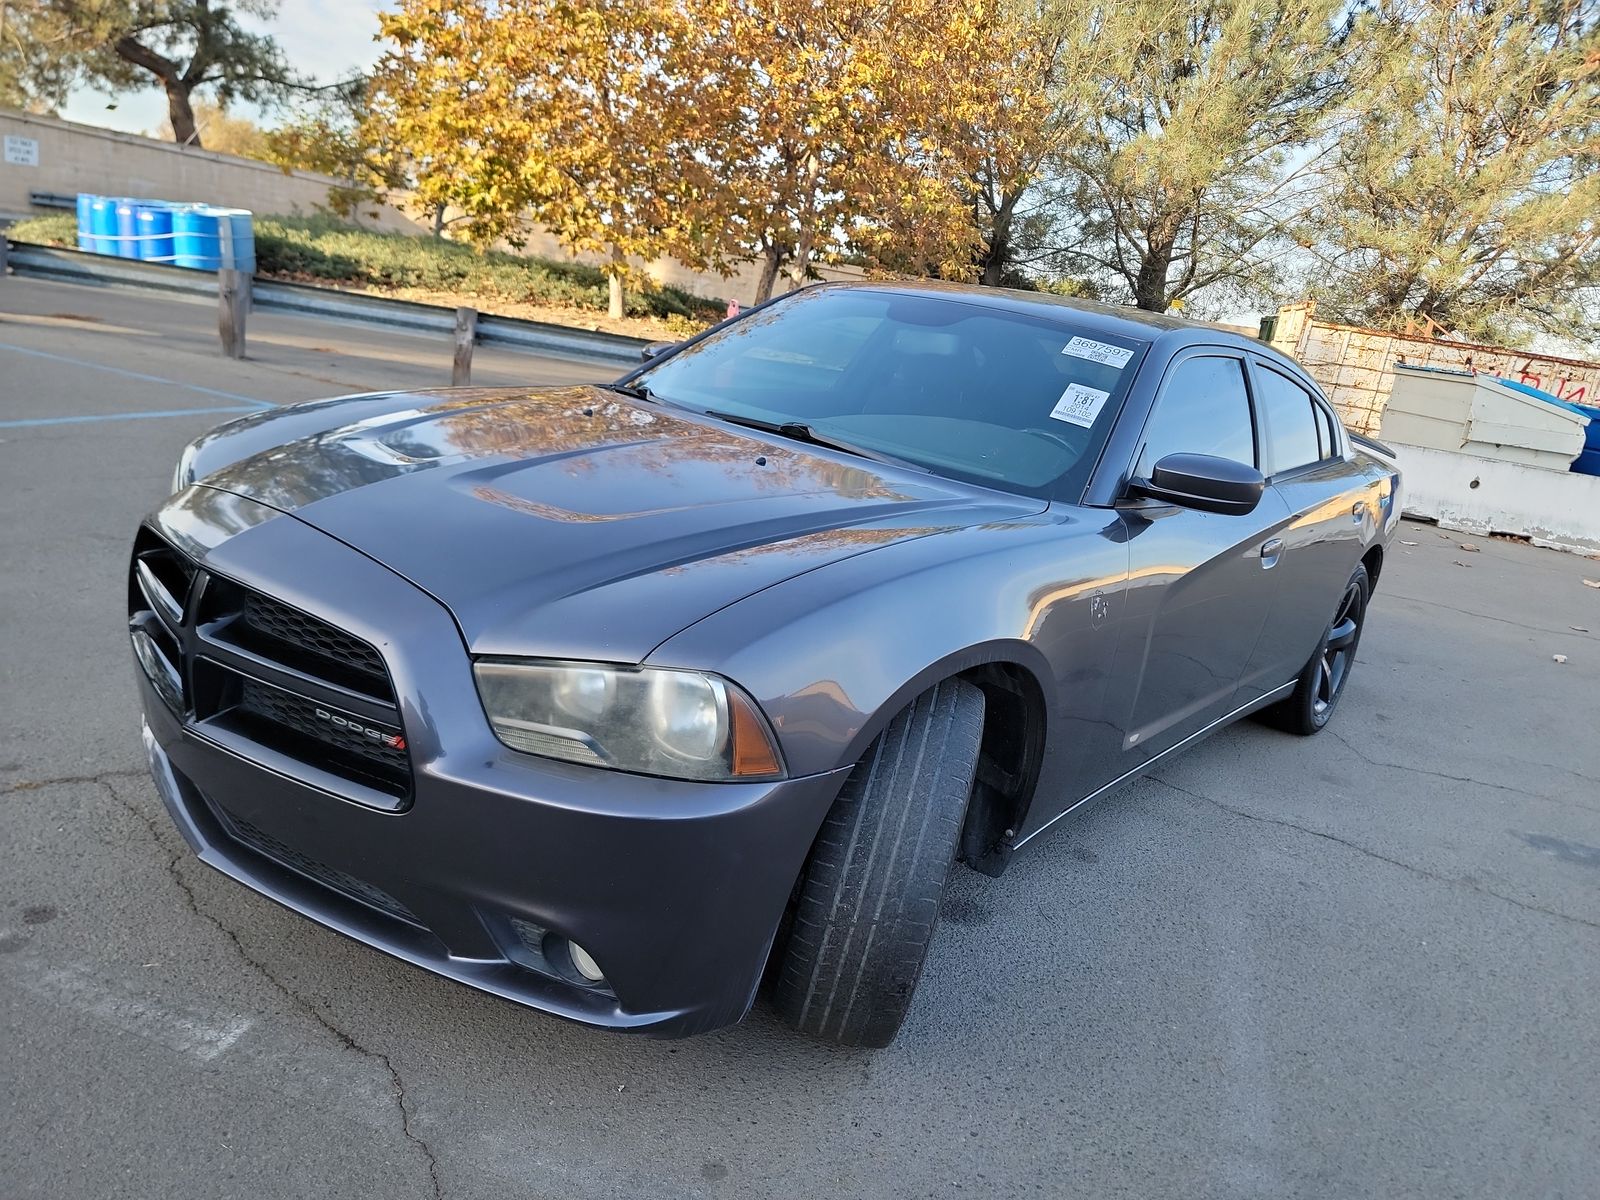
x,y
869,898
1310,706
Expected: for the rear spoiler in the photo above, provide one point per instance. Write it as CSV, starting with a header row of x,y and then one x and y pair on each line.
x,y
1367,443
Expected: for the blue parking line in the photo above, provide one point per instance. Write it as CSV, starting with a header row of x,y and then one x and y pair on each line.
x,y
250,401
132,416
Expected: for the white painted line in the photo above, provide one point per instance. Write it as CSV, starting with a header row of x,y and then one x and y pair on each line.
x,y
94,366
82,988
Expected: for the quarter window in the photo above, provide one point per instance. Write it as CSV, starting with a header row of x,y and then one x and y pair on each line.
x,y
1330,437
1296,432
1204,409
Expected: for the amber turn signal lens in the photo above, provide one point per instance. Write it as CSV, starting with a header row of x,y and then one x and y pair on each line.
x,y
754,755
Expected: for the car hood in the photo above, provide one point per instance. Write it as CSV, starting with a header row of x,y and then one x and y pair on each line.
x,y
575,522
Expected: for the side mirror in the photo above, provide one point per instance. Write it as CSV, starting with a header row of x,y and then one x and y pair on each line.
x,y
1204,481
655,350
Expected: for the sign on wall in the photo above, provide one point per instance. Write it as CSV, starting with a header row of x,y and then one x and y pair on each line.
x,y
21,151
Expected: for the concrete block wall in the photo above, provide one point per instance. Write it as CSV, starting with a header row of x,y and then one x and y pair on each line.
x,y
76,158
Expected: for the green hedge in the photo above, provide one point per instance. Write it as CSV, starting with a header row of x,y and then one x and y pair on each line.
x,y
59,229
321,248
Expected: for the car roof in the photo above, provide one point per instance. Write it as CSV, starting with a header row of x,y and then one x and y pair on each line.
x,y
1091,314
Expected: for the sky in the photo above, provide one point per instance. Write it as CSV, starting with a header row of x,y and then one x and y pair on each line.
x,y
327,39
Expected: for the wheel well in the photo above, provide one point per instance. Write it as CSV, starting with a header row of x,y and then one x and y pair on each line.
x,y
1008,764
1372,560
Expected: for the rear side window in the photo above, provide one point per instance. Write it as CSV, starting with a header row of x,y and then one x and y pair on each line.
x,y
1297,433
1204,409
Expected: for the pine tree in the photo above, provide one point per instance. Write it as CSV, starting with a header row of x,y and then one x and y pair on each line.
x,y
1468,186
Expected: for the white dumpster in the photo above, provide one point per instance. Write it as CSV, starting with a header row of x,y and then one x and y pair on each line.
x,y
1443,409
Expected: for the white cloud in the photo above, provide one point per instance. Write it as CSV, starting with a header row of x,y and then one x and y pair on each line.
x,y
326,39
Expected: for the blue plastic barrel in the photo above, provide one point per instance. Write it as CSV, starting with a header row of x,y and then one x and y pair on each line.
x,y
84,240
102,225
241,226
127,245
154,223
194,238
244,240
197,237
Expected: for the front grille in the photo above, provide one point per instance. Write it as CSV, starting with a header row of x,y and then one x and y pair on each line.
x,y
285,855
381,744
264,677
302,635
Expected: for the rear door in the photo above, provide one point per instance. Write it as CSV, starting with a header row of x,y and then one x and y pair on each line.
x,y
1200,590
1306,459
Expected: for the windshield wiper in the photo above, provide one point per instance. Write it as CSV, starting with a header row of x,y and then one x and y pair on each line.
x,y
634,391
800,432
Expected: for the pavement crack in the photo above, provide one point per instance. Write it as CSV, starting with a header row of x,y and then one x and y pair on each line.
x,y
1499,787
1467,612
343,1037
1451,880
1527,762
31,785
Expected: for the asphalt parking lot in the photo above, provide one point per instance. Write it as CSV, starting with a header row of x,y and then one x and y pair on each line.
x,y
1364,964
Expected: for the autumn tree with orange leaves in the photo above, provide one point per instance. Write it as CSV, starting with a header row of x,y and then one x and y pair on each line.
x,y
584,116
840,127
709,130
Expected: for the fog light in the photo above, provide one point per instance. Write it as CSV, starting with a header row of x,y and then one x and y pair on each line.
x,y
584,964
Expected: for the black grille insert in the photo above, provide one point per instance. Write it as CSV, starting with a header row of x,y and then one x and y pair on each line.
x,y
282,629
381,744
285,855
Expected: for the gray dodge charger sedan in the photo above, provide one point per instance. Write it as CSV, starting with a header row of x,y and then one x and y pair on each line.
x,y
616,701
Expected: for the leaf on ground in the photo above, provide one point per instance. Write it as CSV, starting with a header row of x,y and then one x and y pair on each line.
x,y
1403,542
1459,563
1560,658
1578,628
1594,583
1469,547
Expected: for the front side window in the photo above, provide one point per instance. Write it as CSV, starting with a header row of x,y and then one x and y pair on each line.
x,y
1204,409
1020,401
1296,432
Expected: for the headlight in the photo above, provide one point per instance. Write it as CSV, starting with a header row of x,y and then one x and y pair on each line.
x,y
649,720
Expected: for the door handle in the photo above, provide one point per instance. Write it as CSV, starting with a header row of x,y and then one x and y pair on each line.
x,y
1270,550
1358,509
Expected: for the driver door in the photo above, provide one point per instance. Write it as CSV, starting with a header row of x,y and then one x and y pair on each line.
x,y
1202,584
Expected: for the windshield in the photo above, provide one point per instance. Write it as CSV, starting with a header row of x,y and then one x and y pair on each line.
x,y
977,393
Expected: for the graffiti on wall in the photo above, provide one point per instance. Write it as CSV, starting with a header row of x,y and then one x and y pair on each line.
x,y
1573,391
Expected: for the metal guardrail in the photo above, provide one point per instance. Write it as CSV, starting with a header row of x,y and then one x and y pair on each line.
x,y
78,266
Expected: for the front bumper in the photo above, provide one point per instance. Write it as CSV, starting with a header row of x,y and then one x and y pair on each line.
x,y
675,888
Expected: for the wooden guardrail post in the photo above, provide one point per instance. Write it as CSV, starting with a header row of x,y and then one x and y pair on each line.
x,y
233,301
5,245
233,294
466,338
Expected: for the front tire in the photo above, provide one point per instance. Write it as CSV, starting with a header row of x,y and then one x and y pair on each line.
x,y
1310,706
869,899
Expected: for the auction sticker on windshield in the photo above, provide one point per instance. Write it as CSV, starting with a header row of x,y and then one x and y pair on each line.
x,y
1080,405
1100,352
